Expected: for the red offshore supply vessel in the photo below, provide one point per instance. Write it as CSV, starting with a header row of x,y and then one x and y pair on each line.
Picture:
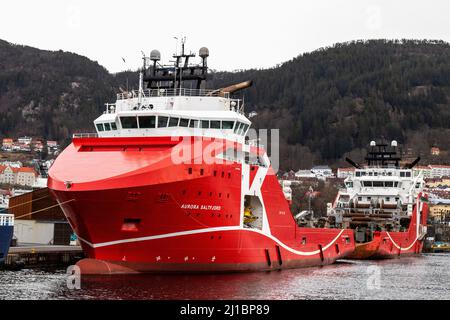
x,y
169,183
384,204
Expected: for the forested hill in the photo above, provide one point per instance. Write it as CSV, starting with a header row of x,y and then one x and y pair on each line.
x,y
49,94
328,103
335,100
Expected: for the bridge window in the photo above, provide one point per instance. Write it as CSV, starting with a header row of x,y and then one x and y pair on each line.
x,y
237,127
405,174
194,123
107,126
113,126
205,124
162,121
227,125
147,122
184,122
367,183
389,184
129,122
173,122
215,124
378,183
100,127
244,130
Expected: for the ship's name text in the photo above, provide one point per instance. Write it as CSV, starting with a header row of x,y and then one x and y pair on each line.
x,y
201,207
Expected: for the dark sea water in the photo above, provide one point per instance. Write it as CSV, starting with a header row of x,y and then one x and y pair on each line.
x,y
424,277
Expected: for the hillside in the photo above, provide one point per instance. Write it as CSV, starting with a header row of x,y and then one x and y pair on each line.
x,y
335,100
49,94
328,103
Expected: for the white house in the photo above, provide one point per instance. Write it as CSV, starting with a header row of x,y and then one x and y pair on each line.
x,y
425,170
322,171
7,175
345,172
24,176
4,198
439,171
304,174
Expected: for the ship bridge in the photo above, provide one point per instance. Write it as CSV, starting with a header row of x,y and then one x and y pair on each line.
x,y
165,106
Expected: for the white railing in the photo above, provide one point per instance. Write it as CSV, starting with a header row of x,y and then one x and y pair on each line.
x,y
6,220
85,135
148,93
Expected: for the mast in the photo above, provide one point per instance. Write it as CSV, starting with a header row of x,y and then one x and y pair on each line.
x,y
173,77
141,79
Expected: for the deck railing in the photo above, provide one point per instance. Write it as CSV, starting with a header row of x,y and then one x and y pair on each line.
x,y
185,92
85,135
6,220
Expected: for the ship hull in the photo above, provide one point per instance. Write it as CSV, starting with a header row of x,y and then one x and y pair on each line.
x,y
382,247
169,238
6,234
238,250
138,211
391,245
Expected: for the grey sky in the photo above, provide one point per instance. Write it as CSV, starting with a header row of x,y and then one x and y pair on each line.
x,y
240,34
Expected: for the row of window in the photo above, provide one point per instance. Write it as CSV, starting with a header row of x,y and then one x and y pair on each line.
x,y
151,122
386,198
106,126
389,173
383,184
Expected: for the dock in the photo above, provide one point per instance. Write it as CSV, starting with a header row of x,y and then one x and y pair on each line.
x,y
41,256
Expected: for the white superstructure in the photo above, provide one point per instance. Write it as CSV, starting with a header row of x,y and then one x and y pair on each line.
x,y
166,108
381,194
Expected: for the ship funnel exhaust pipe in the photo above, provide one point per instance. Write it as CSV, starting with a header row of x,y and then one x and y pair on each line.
x,y
235,88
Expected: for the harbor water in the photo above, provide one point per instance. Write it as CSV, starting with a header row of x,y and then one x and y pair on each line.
x,y
423,277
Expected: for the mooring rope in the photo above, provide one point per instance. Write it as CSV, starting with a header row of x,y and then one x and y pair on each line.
x,y
23,203
40,210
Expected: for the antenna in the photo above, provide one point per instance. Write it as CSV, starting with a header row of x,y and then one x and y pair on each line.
x,y
126,70
141,79
183,41
181,70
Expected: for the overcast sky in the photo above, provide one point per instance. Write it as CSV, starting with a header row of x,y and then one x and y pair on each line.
x,y
240,34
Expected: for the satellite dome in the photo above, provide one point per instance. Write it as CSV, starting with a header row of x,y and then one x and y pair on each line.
x,y
394,143
373,143
155,55
203,52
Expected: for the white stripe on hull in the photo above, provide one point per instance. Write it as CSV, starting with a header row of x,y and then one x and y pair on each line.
x,y
217,229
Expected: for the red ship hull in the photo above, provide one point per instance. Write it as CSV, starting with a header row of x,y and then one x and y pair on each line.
x,y
391,245
134,210
213,251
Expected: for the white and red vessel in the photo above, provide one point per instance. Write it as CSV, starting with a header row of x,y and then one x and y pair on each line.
x,y
384,203
169,184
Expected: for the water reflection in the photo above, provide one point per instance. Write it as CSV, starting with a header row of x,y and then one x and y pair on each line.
x,y
407,278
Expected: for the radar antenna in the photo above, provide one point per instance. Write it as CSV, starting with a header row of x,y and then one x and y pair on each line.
x,y
173,77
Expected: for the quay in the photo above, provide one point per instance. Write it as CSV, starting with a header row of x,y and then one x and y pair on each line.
x,y
40,256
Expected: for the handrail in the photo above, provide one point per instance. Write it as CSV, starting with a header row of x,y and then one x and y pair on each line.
x,y
6,219
172,93
85,135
